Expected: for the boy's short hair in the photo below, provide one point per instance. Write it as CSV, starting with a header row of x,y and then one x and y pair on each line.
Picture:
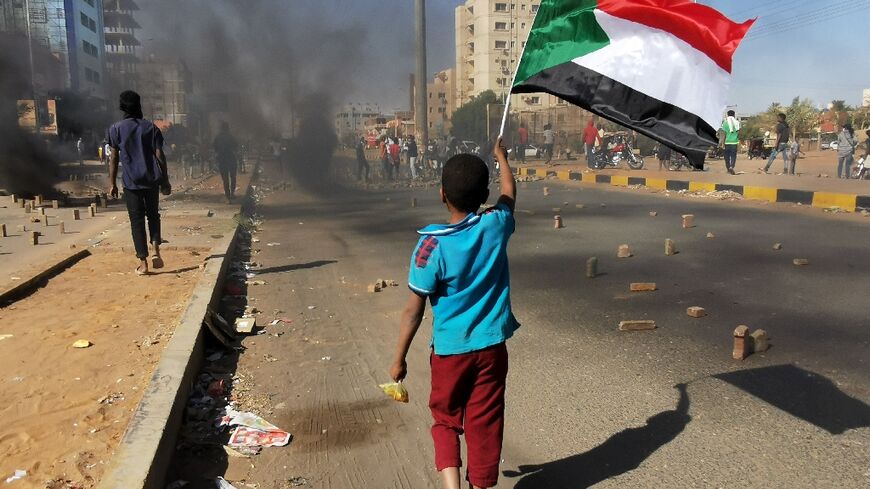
x,y
465,181
730,113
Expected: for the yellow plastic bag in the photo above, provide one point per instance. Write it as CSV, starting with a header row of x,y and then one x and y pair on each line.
x,y
395,390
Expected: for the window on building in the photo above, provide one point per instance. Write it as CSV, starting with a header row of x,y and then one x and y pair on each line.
x,y
90,49
501,7
501,26
442,95
523,7
501,44
59,13
88,22
535,8
523,25
38,15
534,100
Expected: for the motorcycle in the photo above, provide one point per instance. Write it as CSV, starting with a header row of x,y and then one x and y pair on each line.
x,y
679,161
716,153
861,172
611,156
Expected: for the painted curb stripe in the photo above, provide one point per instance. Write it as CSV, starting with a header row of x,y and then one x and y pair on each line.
x,y
677,185
619,180
849,202
702,186
794,196
827,199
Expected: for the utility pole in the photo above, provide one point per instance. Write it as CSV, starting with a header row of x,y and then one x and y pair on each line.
x,y
30,58
421,111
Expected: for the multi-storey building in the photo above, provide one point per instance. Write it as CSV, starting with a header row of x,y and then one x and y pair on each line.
x,y
122,60
442,102
490,37
165,88
351,120
866,99
71,30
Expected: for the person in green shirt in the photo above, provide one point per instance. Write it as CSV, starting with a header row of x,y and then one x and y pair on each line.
x,y
731,128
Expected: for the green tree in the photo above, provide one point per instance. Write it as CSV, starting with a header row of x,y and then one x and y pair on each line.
x,y
802,116
840,106
469,121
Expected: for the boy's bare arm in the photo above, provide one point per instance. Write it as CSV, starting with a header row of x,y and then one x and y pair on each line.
x,y
506,177
412,317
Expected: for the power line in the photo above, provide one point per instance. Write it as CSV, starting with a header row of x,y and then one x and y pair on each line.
x,y
813,17
765,9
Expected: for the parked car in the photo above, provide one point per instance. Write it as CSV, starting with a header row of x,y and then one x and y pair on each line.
x,y
532,151
469,147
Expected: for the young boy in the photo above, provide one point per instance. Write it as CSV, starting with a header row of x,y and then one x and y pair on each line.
x,y
462,268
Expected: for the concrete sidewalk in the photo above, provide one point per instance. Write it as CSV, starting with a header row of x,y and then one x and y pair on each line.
x,y
807,188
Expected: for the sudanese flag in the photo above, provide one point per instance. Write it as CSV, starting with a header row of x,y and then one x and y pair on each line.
x,y
660,67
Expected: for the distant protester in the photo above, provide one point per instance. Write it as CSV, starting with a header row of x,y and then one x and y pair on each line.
x,y
412,156
362,165
731,128
846,145
225,150
794,152
137,144
781,146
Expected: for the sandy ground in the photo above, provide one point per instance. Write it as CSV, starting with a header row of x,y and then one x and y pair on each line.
x,y
67,408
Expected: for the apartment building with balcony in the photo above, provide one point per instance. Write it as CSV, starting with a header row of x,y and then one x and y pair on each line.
x,y
122,45
490,36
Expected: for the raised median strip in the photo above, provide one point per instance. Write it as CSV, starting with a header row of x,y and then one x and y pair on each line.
x,y
847,202
144,454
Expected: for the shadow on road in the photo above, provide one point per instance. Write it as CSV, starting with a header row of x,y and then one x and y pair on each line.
x,y
803,394
621,453
295,266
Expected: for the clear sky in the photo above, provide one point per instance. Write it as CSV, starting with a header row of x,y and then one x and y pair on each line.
x,y
805,48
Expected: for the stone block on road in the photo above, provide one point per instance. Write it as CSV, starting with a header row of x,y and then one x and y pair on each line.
x,y
557,222
639,325
624,251
670,247
741,342
760,342
777,246
801,262
688,221
592,267
643,287
696,312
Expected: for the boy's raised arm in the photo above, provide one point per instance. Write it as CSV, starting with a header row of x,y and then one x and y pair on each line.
x,y
506,176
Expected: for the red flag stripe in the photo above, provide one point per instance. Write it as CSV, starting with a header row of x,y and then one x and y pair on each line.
x,y
702,27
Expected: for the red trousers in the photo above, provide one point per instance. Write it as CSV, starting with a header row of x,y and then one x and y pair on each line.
x,y
468,397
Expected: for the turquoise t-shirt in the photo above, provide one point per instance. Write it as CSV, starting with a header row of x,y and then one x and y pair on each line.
x,y
463,269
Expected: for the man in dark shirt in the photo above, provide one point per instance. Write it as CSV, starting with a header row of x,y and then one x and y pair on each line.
x,y
138,145
782,137
225,155
362,164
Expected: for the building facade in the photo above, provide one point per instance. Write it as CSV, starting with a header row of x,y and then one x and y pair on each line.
x,y
866,98
351,120
71,30
490,37
166,89
442,102
121,45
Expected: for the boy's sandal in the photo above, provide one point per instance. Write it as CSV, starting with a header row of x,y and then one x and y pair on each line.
x,y
156,262
142,269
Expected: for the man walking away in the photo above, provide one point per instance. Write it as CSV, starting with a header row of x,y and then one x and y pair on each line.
x,y
361,162
731,128
590,140
522,142
225,154
412,156
782,137
794,150
138,144
549,141
845,151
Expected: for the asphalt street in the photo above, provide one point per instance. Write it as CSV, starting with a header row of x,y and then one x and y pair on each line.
x,y
586,404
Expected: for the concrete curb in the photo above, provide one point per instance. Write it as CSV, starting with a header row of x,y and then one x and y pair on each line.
x,y
848,202
33,282
146,450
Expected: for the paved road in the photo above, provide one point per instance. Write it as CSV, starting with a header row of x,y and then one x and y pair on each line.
x,y
586,404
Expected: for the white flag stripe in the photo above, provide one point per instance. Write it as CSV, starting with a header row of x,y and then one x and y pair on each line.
x,y
660,65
